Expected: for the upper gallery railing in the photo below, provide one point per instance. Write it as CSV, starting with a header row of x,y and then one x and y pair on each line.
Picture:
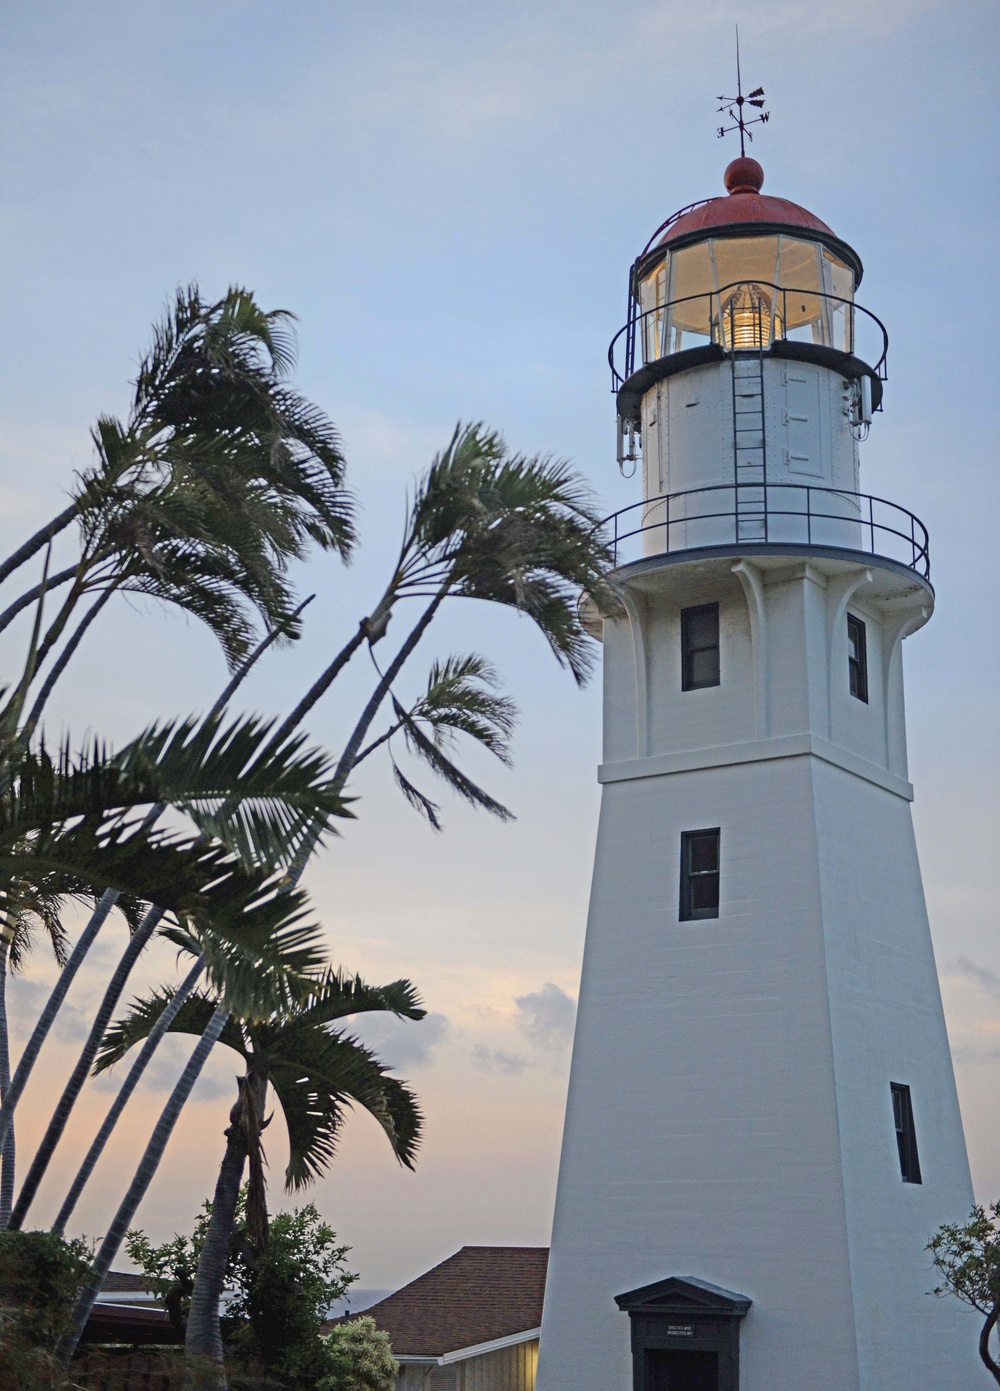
x,y
746,315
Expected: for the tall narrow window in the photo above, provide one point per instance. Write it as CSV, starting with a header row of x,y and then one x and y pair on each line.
x,y
699,647
699,874
857,657
906,1135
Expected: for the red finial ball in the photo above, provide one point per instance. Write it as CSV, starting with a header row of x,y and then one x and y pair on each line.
x,y
744,175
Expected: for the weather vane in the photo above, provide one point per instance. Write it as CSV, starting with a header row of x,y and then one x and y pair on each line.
x,y
733,106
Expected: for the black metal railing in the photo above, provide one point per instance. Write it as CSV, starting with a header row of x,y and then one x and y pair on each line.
x,y
793,514
763,318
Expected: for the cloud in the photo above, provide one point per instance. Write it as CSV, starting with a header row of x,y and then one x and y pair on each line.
x,y
497,1060
400,1042
546,1016
165,1067
964,966
25,999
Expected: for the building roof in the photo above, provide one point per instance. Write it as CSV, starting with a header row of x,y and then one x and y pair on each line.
x,y
479,1295
744,203
124,1282
129,1324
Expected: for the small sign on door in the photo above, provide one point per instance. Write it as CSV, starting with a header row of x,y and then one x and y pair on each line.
x,y
680,1330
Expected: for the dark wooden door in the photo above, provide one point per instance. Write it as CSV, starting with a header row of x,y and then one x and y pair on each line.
x,y
682,1371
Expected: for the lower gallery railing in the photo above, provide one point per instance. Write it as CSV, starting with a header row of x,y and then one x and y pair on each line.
x,y
793,514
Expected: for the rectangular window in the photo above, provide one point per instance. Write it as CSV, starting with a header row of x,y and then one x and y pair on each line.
x,y
857,657
906,1135
699,647
699,874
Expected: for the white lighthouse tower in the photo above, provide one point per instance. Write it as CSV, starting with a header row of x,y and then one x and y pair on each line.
x,y
762,1129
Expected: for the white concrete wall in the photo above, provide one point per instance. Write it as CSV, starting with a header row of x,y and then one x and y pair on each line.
x,y
729,1111
687,442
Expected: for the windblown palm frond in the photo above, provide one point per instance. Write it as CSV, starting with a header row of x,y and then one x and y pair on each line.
x,y
524,532
461,698
318,1072
75,823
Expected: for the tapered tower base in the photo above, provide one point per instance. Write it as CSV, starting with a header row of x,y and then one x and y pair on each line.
x,y
730,1113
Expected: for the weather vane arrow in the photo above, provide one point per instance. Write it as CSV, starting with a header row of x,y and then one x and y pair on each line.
x,y
735,107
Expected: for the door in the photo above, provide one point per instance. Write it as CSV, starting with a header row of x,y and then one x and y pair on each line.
x,y
682,1371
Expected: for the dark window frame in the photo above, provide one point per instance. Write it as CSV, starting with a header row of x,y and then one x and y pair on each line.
x,y
697,899
906,1132
690,651
857,657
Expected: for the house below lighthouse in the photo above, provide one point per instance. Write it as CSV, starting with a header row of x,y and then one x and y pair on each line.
x,y
762,1128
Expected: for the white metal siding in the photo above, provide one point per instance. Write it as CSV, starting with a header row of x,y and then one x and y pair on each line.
x,y
508,1369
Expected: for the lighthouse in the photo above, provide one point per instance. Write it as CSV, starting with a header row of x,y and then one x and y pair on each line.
x,y
762,1128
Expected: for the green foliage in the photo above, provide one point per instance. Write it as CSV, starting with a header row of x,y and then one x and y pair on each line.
x,y
360,1357
220,474
967,1257
283,1296
277,1301
40,1276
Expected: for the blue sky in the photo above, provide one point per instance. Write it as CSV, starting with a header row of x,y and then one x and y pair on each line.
x,y
449,197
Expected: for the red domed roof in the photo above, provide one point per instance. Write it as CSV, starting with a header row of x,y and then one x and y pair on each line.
x,y
744,203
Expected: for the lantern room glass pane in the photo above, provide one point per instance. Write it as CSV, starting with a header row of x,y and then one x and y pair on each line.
x,y
746,293
742,260
652,301
691,286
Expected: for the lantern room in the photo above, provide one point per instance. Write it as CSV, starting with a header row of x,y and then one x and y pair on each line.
x,y
746,375
744,274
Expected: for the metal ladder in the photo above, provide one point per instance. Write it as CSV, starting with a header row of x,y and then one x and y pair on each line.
x,y
749,447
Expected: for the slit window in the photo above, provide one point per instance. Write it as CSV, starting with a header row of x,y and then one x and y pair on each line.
x,y
699,647
699,874
857,657
906,1135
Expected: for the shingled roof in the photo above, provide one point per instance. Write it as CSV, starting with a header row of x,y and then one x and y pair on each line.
x,y
479,1295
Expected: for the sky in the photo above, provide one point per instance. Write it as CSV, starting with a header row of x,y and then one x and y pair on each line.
x,y
449,197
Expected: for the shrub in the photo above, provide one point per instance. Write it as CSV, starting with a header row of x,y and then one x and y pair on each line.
x,y
361,1358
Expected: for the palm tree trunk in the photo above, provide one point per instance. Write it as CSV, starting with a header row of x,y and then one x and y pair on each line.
x,y
348,757
125,1091
108,899
319,687
30,595
51,1008
204,1333
35,543
140,1183
53,1134
61,663
8,1154
58,624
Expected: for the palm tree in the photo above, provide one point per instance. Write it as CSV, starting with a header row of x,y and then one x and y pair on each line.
x,y
491,525
251,803
41,911
317,1073
220,476
212,415
44,901
484,524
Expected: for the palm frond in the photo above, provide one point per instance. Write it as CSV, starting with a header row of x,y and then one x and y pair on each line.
x,y
143,1013
458,781
461,698
427,809
519,531
327,1074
